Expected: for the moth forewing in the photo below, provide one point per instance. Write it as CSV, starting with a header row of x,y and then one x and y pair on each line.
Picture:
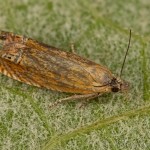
x,y
38,64
56,72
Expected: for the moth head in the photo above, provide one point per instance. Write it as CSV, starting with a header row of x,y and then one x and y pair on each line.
x,y
118,85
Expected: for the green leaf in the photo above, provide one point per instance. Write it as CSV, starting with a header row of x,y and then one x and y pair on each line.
x,y
100,31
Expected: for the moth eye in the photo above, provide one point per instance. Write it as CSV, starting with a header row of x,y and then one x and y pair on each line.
x,y
115,89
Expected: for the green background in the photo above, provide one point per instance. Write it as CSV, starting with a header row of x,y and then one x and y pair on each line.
x,y
100,31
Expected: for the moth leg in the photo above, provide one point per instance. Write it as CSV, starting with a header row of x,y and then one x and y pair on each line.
x,y
74,97
82,104
73,50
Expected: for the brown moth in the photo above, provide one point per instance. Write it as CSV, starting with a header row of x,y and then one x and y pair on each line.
x,y
38,64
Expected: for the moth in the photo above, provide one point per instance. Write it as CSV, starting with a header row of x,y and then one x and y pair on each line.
x,y
35,63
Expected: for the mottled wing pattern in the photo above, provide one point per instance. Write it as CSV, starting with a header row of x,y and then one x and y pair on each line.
x,y
38,64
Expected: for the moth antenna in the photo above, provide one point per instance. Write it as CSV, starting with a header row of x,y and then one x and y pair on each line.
x,y
125,54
